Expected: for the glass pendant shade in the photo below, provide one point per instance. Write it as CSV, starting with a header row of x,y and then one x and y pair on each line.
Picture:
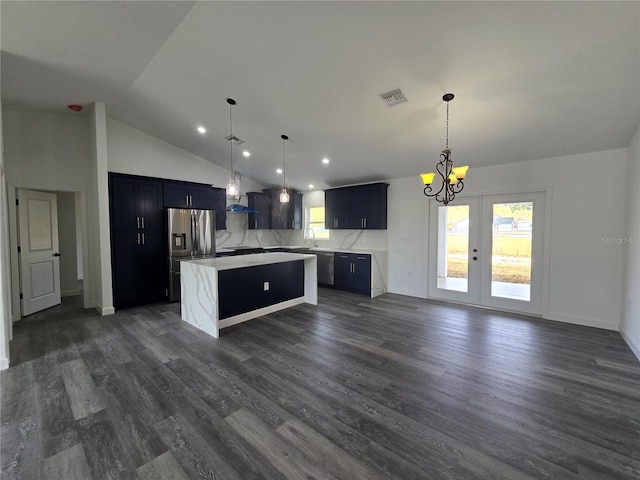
x,y
232,189
284,196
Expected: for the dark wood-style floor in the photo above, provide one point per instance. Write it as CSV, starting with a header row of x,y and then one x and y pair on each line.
x,y
355,388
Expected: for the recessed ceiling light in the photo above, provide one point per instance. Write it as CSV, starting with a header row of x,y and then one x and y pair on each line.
x,y
246,153
325,161
279,171
311,185
201,129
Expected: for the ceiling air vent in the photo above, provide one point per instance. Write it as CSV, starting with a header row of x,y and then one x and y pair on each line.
x,y
393,97
236,140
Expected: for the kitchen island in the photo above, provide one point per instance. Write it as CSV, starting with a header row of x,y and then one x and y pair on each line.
x,y
220,292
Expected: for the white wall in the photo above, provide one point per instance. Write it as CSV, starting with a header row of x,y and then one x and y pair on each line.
x,y
630,328
45,151
5,294
98,201
585,269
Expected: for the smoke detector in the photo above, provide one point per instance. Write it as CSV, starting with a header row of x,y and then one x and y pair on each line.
x,y
393,97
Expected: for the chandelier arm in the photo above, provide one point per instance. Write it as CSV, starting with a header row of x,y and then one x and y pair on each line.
x,y
428,190
457,188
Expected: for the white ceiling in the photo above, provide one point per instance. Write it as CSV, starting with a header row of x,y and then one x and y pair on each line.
x,y
531,79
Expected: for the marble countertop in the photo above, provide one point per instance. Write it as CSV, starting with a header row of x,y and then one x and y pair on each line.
x,y
370,251
240,261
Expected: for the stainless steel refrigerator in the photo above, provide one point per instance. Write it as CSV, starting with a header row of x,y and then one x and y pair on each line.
x,y
191,235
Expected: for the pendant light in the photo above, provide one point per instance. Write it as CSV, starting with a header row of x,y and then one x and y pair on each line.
x,y
232,188
284,196
451,178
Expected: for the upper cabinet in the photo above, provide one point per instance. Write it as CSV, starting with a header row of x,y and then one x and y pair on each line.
x,y
262,203
285,216
360,207
196,195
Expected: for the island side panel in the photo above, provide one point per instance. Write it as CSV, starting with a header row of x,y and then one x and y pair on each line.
x,y
199,302
311,280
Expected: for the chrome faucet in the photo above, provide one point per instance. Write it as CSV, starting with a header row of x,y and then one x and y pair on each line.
x,y
313,236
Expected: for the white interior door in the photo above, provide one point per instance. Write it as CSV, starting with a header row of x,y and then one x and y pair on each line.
x,y
38,247
489,251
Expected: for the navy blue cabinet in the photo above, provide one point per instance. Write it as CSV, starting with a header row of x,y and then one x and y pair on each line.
x,y
285,216
360,207
242,290
217,200
353,272
185,195
262,203
197,195
138,256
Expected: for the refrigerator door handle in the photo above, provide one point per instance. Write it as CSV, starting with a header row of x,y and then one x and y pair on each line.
x,y
194,233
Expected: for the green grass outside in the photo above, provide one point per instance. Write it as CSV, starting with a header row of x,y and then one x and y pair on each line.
x,y
504,246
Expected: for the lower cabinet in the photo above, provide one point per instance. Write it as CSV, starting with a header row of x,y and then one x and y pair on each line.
x,y
138,268
242,290
353,272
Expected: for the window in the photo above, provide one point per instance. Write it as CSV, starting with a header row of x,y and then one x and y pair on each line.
x,y
315,222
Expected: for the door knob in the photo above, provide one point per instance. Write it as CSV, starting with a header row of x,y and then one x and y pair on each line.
x,y
475,250
475,258
56,254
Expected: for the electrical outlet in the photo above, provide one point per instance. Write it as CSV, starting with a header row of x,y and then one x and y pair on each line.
x,y
266,286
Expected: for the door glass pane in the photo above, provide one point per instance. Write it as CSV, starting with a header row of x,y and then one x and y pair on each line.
x,y
511,250
453,248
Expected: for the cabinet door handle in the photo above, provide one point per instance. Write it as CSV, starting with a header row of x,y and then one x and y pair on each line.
x,y
256,222
143,238
138,222
365,222
292,224
138,238
142,222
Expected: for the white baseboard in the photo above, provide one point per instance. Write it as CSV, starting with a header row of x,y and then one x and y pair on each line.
x,y
634,348
70,293
585,322
105,311
4,363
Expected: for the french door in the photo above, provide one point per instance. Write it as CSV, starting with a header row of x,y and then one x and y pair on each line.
x,y
488,250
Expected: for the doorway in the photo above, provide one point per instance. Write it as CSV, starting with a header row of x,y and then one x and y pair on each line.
x,y
488,250
71,222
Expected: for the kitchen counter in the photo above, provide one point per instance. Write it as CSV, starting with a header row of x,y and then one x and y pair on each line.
x,y
220,292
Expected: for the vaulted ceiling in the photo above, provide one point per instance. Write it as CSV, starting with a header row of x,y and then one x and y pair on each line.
x,y
531,79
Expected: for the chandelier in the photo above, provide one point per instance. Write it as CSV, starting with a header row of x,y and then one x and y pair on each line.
x,y
284,195
451,177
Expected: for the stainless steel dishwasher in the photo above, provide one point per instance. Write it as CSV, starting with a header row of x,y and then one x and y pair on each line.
x,y
325,268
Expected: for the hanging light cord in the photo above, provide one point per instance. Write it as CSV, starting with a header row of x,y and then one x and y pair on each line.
x,y
284,163
231,135
447,125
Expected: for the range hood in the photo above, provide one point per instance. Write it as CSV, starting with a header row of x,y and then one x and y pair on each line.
x,y
237,208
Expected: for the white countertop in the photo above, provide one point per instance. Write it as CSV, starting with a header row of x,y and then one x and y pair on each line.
x,y
371,251
241,261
